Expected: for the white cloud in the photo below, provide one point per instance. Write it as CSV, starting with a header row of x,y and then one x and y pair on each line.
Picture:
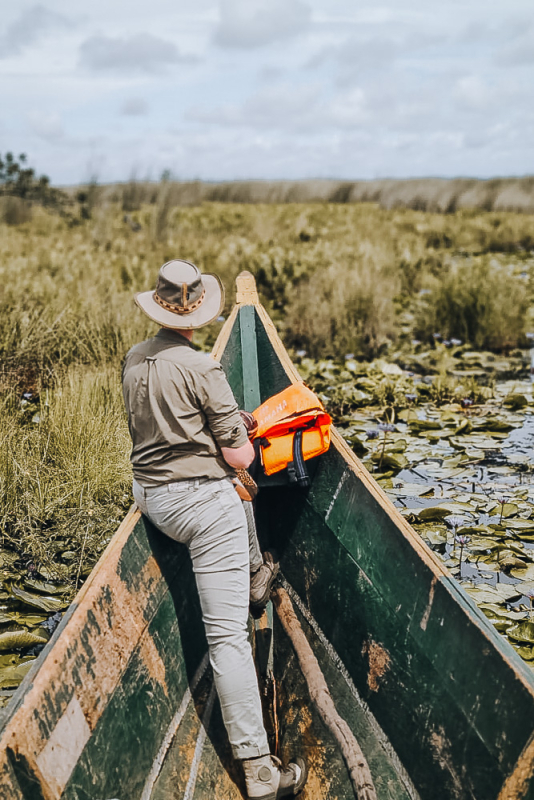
x,y
401,89
348,109
472,94
254,23
30,26
519,52
302,108
46,126
142,52
355,53
271,107
134,107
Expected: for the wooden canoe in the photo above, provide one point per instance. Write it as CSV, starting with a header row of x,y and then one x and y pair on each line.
x,y
120,706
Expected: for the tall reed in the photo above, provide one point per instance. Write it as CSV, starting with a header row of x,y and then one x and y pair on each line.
x,y
64,471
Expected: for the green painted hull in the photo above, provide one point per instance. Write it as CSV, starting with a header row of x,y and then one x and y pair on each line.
x,y
122,704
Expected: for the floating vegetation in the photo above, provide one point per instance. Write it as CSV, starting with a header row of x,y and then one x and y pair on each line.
x,y
462,473
30,611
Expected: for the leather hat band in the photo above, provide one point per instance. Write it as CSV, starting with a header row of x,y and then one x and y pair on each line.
x,y
178,309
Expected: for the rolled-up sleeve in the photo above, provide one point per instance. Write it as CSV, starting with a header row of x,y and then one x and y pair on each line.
x,y
219,405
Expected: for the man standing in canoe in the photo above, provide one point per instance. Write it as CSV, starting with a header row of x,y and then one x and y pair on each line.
x,y
188,438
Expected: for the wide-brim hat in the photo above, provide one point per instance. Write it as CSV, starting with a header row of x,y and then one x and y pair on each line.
x,y
184,297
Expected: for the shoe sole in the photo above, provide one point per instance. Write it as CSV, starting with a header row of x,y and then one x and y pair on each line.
x,y
296,789
259,605
303,775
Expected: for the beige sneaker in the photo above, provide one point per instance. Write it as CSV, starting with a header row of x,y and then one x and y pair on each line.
x,y
266,779
261,582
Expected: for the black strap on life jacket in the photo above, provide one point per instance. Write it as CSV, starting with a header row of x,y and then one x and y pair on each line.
x,y
296,469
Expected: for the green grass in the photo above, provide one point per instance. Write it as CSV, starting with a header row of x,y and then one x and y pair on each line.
x,y
481,302
64,474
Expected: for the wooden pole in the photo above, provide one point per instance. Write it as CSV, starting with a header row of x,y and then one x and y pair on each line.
x,y
357,765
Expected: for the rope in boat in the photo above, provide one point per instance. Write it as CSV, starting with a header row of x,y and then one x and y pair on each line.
x,y
355,760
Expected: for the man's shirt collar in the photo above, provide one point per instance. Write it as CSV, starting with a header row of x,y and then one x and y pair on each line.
x,y
170,336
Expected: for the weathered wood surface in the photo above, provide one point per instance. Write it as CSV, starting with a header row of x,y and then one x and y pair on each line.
x,y
352,753
122,706
88,721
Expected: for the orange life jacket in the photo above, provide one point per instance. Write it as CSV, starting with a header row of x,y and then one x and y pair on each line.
x,y
292,428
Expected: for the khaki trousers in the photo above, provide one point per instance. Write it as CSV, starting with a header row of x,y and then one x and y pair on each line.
x,y
208,517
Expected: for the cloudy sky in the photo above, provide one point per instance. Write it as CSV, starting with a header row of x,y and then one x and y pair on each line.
x,y
225,89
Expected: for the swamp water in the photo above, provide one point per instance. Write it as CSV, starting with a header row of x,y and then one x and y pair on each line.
x,y
462,473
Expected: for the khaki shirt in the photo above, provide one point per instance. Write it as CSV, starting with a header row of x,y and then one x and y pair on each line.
x,y
181,411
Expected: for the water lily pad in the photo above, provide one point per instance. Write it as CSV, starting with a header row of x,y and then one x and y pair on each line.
x,y
464,427
390,460
37,601
17,640
525,573
395,446
58,572
436,436
507,559
492,609
522,632
432,513
12,676
527,653
46,587
452,407
28,620
357,397
515,401
482,530
412,490
422,425
493,594
489,566
501,624
480,545
499,621
448,473
473,455
509,510
367,384
9,659
495,425
519,525
502,471
519,549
